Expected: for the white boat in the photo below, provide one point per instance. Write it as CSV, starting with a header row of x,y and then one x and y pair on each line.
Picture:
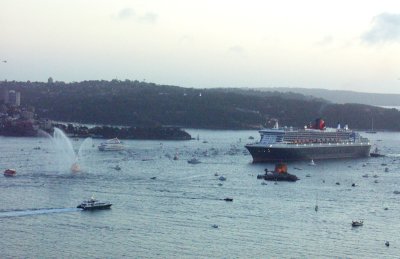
x,y
311,163
93,204
111,145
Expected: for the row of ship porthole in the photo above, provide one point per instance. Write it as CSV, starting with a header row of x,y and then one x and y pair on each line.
x,y
328,144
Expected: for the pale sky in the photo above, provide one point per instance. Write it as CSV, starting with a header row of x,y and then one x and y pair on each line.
x,y
343,45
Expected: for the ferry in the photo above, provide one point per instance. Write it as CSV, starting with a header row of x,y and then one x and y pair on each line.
x,y
111,145
314,142
93,204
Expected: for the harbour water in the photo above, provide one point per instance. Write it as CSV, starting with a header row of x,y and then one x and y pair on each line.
x,y
166,208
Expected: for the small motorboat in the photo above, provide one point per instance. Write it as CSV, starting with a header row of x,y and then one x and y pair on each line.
x,y
93,204
194,161
311,163
357,223
10,172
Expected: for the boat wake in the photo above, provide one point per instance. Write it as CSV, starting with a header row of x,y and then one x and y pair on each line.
x,y
21,213
393,155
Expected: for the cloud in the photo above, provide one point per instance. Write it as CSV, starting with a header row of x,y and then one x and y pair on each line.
x,y
130,14
185,40
125,13
236,49
385,28
149,17
325,41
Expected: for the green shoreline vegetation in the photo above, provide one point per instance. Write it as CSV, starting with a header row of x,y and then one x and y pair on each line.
x,y
147,105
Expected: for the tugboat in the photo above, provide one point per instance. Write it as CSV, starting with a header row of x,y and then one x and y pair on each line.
x,y
279,174
10,172
93,204
376,153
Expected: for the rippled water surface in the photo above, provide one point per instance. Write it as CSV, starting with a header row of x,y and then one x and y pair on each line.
x,y
172,216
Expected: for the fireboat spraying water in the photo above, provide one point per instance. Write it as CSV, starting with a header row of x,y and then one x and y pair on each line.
x,y
66,156
75,168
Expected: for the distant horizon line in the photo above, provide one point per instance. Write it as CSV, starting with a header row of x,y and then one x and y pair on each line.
x,y
211,87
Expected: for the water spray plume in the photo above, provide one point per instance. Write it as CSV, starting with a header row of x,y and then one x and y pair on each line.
x,y
67,158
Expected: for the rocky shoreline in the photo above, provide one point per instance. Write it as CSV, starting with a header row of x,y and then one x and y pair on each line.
x,y
103,132
18,120
107,132
21,120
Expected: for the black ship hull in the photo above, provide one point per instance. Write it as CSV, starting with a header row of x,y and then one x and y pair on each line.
x,y
284,154
95,207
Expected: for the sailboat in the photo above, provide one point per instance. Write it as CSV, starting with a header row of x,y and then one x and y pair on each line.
x,y
316,203
311,163
371,131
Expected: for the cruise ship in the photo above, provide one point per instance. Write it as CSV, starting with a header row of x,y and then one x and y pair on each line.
x,y
314,142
